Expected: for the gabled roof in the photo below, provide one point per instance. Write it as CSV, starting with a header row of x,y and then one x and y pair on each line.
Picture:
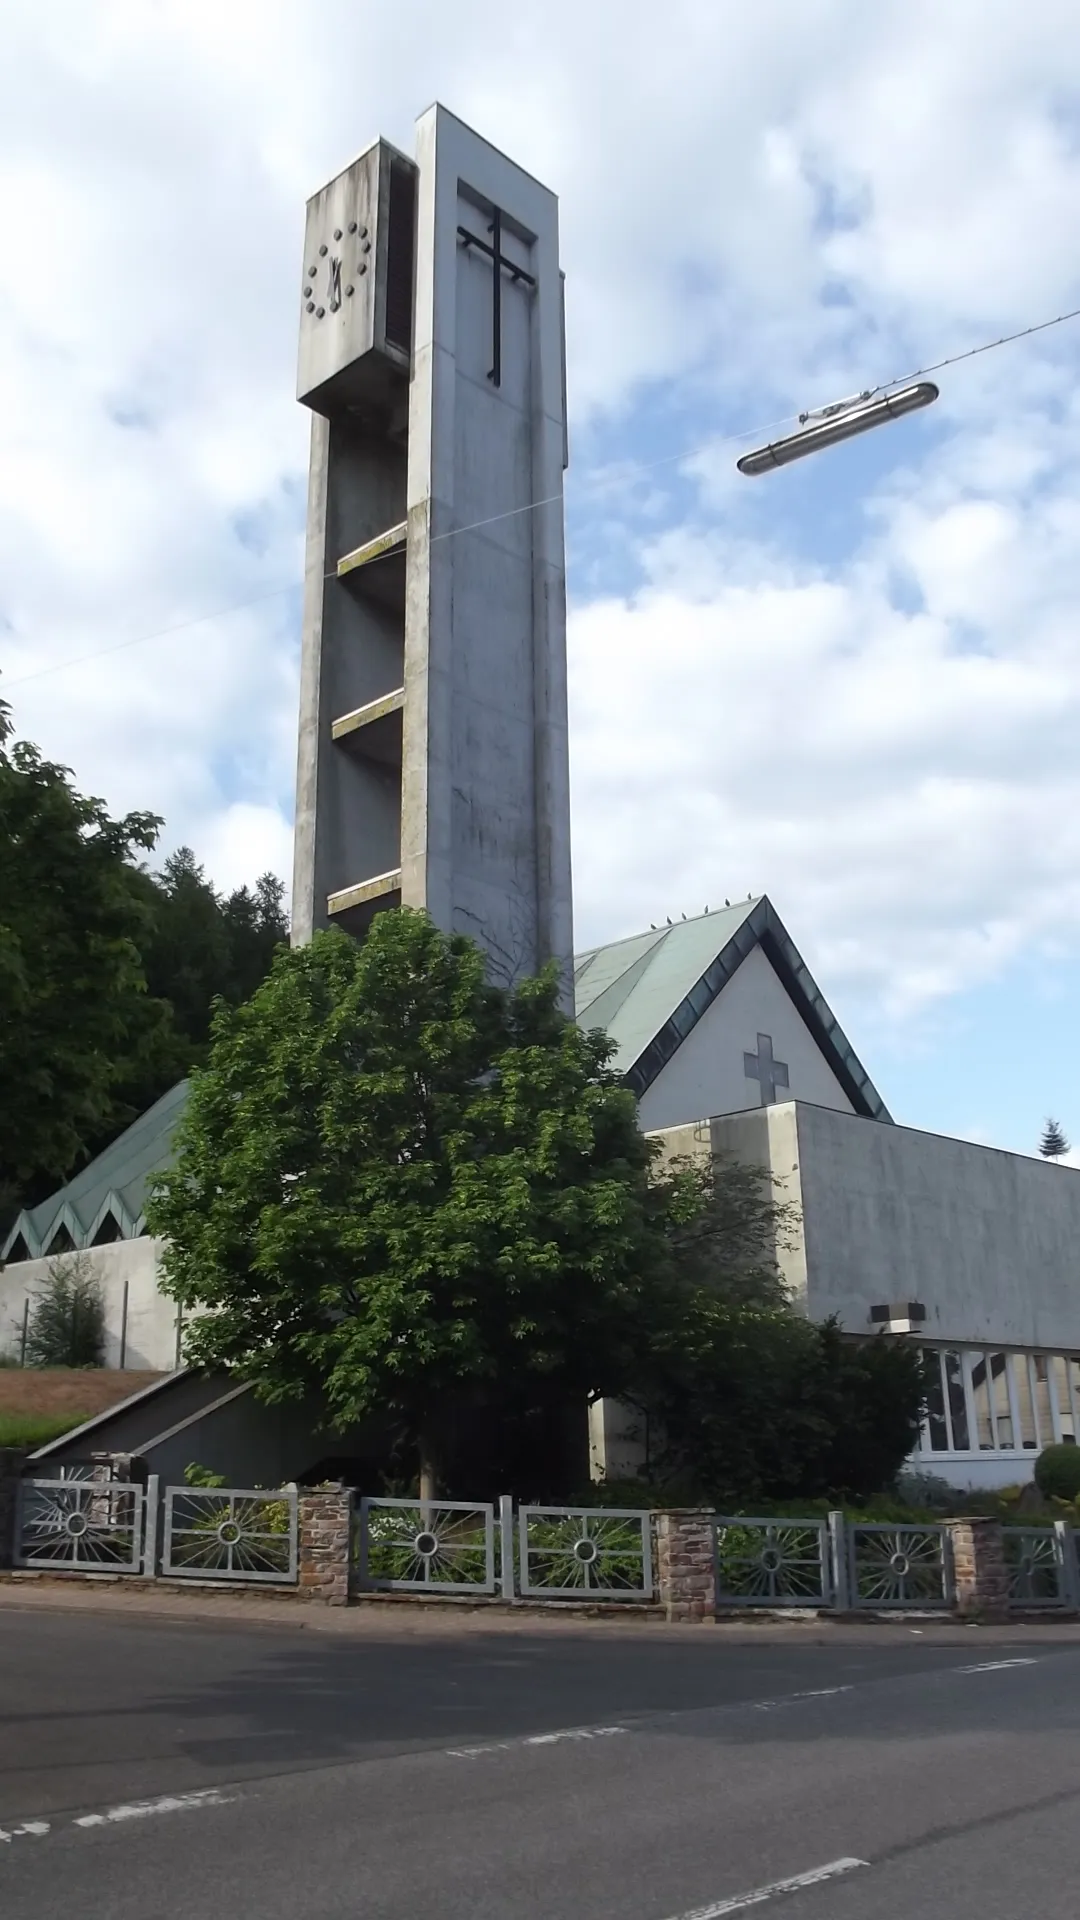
x,y
649,992
115,1183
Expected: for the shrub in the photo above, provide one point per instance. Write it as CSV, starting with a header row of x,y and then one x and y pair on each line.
x,y
1057,1473
67,1319
926,1491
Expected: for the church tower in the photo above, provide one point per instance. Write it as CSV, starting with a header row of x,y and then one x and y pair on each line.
x,y
433,764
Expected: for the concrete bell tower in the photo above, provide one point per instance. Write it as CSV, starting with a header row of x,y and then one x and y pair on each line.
x,y
433,760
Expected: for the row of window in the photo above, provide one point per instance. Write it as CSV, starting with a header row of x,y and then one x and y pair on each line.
x,y
980,1402
109,1229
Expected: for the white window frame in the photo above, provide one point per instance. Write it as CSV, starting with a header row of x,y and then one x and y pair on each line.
x,y
1013,1356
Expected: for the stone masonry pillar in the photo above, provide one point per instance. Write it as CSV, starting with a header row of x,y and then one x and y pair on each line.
x,y
325,1544
685,1542
12,1461
979,1569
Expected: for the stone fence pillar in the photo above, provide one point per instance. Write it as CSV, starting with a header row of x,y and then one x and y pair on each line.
x,y
325,1543
979,1569
12,1461
685,1541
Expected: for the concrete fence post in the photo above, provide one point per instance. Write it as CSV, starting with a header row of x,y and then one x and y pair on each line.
x,y
151,1504
840,1572
685,1541
508,1586
325,1543
1065,1539
980,1573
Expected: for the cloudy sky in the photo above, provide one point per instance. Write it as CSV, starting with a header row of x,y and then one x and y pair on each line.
x,y
854,685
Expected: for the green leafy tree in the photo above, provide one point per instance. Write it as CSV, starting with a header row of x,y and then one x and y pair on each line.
x,y
399,1186
201,947
67,1317
1053,1143
256,925
759,1403
727,1228
75,1017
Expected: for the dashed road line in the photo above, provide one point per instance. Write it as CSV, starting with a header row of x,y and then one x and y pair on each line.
x,y
809,1693
165,1803
776,1888
995,1666
535,1740
119,1815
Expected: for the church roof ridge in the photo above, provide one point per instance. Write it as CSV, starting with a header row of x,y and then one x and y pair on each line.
x,y
669,926
650,1000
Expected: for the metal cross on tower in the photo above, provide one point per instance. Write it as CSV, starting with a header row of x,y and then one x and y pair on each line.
x,y
499,263
769,1072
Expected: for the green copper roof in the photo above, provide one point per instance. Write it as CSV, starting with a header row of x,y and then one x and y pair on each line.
x,y
112,1188
648,992
634,986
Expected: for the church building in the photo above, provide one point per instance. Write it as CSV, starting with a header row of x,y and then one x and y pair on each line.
x,y
433,771
730,1048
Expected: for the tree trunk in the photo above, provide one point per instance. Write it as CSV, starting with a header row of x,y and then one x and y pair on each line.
x,y
429,1465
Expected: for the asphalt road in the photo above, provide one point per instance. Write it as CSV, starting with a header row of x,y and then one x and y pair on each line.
x,y
201,1770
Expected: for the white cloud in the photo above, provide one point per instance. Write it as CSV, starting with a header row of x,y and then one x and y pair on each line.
x,y
762,207
904,783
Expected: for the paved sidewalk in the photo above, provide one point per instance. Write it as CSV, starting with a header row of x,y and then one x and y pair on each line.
x,y
393,1618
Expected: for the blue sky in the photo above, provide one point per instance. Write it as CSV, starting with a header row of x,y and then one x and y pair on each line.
x,y
854,685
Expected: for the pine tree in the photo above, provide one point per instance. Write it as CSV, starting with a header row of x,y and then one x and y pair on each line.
x,y
1053,1143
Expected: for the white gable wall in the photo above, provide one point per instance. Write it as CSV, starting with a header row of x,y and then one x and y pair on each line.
x,y
706,1075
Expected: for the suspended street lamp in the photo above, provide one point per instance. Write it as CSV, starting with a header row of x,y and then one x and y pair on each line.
x,y
825,426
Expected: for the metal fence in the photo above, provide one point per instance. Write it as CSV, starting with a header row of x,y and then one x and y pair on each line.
x,y
425,1546
899,1566
84,1522
602,1553
1042,1567
79,1526
773,1563
239,1534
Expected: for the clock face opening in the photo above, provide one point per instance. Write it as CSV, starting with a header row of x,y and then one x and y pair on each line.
x,y
331,277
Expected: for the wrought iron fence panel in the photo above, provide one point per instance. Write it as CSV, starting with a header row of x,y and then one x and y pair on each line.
x,y
426,1546
570,1552
230,1533
1035,1558
772,1563
79,1526
900,1566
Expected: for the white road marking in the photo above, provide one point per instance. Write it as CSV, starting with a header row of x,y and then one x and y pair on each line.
x,y
811,1693
142,1809
605,1733
995,1666
129,1810
740,1901
760,1895
536,1740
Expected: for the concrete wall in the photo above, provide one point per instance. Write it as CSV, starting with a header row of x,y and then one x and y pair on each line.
x,y
988,1241
707,1075
151,1333
485,778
